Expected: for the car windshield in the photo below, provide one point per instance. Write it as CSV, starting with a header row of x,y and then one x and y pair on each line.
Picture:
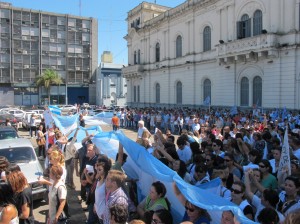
x,y
18,154
8,134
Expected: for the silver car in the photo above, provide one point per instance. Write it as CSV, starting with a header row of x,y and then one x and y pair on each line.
x,y
20,151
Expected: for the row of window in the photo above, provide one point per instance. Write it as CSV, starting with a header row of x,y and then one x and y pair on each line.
x,y
243,31
244,94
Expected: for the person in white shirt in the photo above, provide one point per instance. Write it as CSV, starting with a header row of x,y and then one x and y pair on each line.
x,y
184,152
295,144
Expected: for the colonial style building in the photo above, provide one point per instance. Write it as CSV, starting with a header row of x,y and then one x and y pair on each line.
x,y
237,52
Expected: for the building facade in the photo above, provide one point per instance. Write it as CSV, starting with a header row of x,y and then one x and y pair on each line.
x,y
111,87
241,53
32,41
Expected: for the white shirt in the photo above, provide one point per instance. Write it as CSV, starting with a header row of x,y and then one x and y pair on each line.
x,y
185,154
100,199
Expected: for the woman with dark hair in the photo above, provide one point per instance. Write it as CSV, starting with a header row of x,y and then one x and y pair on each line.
x,y
289,198
230,163
8,212
268,216
162,216
103,165
192,213
22,196
239,198
217,146
155,200
268,180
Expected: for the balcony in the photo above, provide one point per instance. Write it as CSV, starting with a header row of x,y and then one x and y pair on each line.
x,y
259,44
133,70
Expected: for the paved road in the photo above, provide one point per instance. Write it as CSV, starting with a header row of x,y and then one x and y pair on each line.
x,y
78,215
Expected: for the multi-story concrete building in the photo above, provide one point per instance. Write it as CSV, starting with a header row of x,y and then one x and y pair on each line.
x,y
111,87
236,52
32,41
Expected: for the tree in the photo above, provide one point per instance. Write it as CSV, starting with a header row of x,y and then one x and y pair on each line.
x,y
48,79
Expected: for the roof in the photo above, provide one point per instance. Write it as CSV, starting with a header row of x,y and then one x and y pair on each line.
x,y
13,143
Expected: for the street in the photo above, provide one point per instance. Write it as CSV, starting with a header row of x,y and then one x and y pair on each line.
x,y
78,215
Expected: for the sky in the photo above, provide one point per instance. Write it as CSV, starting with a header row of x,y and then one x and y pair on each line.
x,y
111,15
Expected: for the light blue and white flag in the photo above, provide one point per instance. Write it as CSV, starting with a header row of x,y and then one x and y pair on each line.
x,y
206,101
143,166
55,109
66,123
233,110
285,160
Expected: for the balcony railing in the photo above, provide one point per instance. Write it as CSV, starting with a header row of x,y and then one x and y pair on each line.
x,y
257,43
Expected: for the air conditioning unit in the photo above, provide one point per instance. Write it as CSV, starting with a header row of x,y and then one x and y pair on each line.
x,y
20,50
47,24
24,52
24,38
52,40
77,68
26,66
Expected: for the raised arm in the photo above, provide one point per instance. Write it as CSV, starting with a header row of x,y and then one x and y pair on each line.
x,y
249,193
178,194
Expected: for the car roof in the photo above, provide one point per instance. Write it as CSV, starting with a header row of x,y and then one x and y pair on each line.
x,y
7,128
14,143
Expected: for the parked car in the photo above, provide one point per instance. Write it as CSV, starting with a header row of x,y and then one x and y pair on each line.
x,y
26,120
94,112
18,114
4,115
36,111
8,132
21,152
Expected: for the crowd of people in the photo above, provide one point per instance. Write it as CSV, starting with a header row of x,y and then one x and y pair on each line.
x,y
242,149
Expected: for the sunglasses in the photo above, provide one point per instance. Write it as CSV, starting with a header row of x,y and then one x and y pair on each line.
x,y
207,160
227,160
262,166
235,191
189,209
214,145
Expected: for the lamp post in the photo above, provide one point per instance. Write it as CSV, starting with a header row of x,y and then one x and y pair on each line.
x,y
22,94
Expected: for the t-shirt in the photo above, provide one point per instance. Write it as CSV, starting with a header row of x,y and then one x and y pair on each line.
x,y
115,120
25,197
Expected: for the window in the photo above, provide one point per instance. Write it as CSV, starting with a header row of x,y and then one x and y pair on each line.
x,y
139,57
207,39
257,91
257,23
244,92
157,52
134,58
138,94
134,94
157,93
244,27
179,93
206,89
178,46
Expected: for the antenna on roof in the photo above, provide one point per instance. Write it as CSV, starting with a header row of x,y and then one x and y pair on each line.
x,y
79,7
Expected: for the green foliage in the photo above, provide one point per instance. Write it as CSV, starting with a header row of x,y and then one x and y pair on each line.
x,y
48,79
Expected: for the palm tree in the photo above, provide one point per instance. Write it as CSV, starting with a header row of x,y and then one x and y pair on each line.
x,y
47,79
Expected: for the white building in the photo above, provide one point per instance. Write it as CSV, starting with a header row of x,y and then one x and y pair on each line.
x,y
111,87
237,52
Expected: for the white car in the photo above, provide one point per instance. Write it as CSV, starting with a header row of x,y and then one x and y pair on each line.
x,y
26,119
36,111
68,107
21,152
18,114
